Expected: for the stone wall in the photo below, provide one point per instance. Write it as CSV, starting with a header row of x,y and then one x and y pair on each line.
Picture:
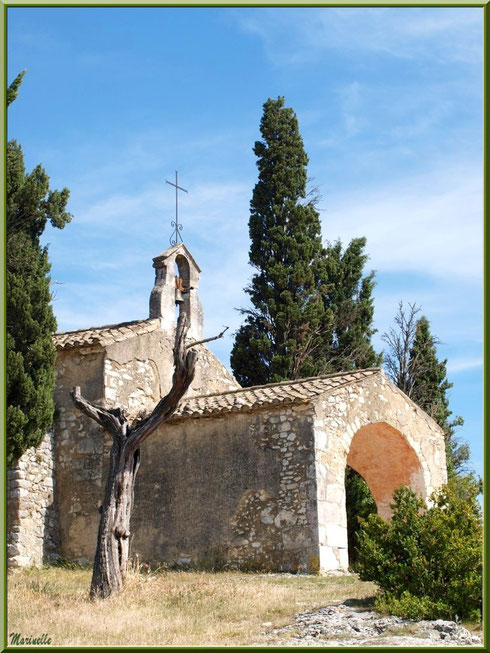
x,y
79,450
33,537
236,490
134,374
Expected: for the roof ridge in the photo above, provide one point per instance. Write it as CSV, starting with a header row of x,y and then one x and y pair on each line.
x,y
297,391
118,325
282,383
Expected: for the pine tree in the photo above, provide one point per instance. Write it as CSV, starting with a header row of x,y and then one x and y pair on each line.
x,y
30,319
312,309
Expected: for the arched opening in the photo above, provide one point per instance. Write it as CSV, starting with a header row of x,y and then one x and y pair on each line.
x,y
385,460
182,286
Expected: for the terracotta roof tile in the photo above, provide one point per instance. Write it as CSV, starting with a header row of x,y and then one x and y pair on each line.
x,y
104,335
287,392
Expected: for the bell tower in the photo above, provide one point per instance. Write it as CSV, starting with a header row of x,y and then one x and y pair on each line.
x,y
176,283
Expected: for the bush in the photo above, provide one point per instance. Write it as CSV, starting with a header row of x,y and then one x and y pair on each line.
x,y
427,561
409,606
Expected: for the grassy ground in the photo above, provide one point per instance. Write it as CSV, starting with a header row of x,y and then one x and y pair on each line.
x,y
167,608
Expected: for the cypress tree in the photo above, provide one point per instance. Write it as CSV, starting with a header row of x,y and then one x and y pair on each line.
x,y
312,309
282,333
429,386
30,319
413,366
347,296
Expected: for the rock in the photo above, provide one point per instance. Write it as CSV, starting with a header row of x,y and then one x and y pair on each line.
x,y
343,625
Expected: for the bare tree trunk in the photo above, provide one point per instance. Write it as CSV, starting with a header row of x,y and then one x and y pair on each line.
x,y
112,550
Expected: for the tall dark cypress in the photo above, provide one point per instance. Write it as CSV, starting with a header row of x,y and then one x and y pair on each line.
x,y
347,296
312,309
429,386
30,319
281,334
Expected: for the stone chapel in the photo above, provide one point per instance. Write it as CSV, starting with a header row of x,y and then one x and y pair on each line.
x,y
249,478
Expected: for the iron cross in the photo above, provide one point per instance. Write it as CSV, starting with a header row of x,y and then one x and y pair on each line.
x,y
174,238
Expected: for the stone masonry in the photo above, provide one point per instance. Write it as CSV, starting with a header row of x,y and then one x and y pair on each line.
x,y
32,519
254,478
250,478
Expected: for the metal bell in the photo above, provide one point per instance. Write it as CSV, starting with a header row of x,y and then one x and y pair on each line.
x,y
178,296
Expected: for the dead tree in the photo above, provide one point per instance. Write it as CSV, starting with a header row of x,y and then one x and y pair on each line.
x,y
112,550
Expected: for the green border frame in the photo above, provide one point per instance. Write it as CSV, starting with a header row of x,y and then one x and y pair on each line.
x,y
4,5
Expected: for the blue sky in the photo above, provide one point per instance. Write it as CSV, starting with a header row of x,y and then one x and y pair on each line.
x,y
389,103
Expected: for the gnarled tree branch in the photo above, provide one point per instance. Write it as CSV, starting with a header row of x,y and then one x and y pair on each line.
x,y
110,419
200,342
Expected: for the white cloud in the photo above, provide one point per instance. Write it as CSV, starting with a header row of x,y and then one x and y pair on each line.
x,y
430,224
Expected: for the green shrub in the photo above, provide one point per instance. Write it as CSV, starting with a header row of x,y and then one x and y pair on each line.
x,y
427,561
412,607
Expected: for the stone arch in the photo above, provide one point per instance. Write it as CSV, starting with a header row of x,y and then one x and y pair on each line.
x,y
375,429
384,458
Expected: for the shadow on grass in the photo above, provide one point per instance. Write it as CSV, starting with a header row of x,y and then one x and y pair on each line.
x,y
360,603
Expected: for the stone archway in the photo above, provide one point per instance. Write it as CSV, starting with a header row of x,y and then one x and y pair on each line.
x,y
384,458
372,427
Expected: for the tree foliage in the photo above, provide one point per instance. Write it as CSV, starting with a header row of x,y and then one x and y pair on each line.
x,y
30,320
312,310
359,505
13,89
412,364
282,331
429,391
427,561
348,302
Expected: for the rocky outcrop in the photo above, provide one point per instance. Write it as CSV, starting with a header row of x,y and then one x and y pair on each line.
x,y
344,625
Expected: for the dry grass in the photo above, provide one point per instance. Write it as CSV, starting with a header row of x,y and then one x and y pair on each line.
x,y
167,608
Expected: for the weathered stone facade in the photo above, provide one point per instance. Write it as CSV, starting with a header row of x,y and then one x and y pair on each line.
x,y
250,478
254,478
231,489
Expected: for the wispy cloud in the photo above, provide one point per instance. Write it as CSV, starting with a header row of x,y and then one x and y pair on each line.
x,y
296,36
430,224
464,365
351,108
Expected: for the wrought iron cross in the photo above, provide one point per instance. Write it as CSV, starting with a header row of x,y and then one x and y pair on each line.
x,y
174,238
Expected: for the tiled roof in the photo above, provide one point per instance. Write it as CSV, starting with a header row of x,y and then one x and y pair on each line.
x,y
104,335
287,392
